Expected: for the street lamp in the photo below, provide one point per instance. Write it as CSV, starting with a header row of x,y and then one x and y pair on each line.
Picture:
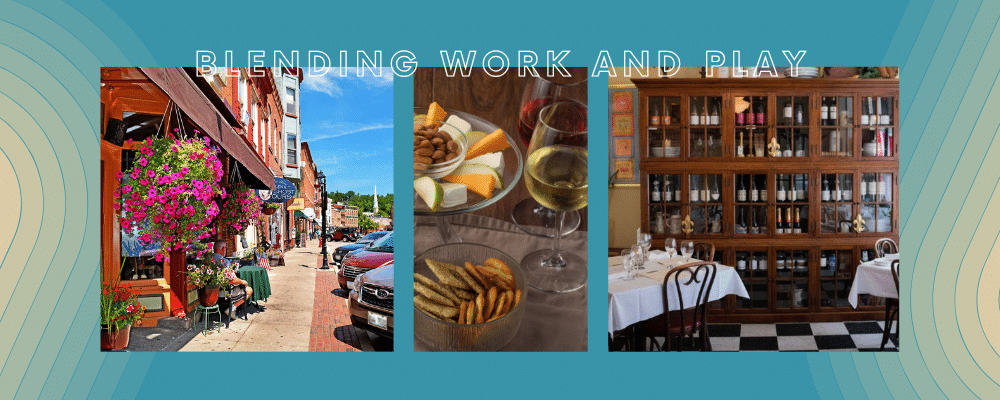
x,y
321,182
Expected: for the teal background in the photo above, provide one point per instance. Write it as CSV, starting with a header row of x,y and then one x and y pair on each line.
x,y
51,52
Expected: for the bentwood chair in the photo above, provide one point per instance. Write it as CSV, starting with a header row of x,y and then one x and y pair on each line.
x,y
687,318
704,251
891,307
885,246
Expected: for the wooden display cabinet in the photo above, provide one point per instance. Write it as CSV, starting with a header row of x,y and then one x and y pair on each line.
x,y
740,156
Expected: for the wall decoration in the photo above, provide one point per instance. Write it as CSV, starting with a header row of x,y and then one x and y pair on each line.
x,y
621,102
622,125
623,147
625,169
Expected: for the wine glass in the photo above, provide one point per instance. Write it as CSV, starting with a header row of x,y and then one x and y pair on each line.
x,y
529,215
639,256
687,249
556,177
628,264
671,247
646,241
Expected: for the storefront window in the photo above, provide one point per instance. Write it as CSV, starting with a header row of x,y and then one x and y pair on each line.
x,y
138,258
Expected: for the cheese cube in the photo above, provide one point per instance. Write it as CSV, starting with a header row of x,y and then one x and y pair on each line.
x,y
456,126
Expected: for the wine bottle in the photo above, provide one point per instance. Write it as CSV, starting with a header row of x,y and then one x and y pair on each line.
x,y
749,115
763,191
792,193
714,120
739,119
754,197
825,195
754,229
654,118
739,146
824,112
779,226
704,116
864,188
873,189
666,115
872,116
798,225
833,112
668,193
798,114
694,114
882,194
741,226
885,119
837,195
654,196
760,114
788,113
741,192
864,111
788,220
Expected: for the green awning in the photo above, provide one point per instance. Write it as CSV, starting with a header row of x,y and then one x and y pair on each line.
x,y
299,214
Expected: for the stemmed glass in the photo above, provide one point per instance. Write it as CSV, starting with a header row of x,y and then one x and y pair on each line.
x,y
671,247
639,255
529,215
556,177
687,249
628,263
646,241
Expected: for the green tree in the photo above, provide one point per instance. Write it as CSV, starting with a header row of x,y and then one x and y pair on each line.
x,y
366,224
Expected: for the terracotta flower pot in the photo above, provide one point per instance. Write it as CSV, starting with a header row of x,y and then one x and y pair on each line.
x,y
115,340
269,211
208,295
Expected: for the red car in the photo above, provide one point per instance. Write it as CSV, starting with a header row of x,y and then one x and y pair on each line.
x,y
379,254
371,303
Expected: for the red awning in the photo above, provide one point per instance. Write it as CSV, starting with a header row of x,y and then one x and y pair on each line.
x,y
185,93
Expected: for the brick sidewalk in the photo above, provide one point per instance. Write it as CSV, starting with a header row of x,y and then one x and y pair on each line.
x,y
331,322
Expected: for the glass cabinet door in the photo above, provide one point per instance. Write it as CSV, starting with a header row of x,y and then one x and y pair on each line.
x,y
837,121
792,279
836,267
664,198
878,136
751,265
792,128
663,127
836,202
751,204
791,201
705,127
705,202
750,127
876,191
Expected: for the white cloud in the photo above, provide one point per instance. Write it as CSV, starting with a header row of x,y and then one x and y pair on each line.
x,y
330,82
328,129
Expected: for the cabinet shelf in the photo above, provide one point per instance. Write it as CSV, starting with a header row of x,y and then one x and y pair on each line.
x,y
831,151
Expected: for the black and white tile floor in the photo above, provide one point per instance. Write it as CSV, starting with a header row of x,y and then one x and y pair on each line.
x,y
814,336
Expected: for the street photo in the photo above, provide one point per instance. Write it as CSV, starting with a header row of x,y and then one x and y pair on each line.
x,y
241,212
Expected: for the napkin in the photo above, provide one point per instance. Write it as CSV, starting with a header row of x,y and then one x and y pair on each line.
x,y
658,255
616,276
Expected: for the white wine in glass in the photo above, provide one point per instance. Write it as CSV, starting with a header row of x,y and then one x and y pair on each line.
x,y
556,177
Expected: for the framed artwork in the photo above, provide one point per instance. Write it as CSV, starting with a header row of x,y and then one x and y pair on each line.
x,y
623,147
622,125
622,139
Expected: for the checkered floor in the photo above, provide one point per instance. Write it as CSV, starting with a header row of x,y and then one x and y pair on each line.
x,y
815,336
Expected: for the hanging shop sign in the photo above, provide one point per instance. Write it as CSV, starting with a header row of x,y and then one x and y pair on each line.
x,y
284,190
297,204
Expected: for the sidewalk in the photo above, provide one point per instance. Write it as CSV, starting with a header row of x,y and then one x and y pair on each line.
x,y
285,322
331,327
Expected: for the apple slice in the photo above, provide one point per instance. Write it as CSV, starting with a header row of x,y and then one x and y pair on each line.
x,y
429,190
466,169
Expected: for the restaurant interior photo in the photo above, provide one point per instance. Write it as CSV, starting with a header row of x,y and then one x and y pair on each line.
x,y
753,210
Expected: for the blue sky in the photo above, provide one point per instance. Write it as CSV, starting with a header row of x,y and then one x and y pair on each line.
x,y
347,122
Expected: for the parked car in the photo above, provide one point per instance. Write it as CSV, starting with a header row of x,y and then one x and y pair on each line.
x,y
341,252
343,234
371,301
376,255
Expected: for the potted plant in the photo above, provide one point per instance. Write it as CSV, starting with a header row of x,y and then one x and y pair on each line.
x,y
240,207
271,208
168,194
208,277
120,308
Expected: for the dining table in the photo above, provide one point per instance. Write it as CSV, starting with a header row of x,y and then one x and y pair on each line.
x,y
874,278
639,299
257,279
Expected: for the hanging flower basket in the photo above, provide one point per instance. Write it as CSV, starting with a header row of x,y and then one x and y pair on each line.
x,y
168,194
240,208
270,208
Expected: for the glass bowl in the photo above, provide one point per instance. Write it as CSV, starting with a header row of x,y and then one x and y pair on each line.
x,y
513,167
438,170
448,336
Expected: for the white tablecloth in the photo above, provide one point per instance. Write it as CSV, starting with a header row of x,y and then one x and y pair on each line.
x,y
642,298
874,279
